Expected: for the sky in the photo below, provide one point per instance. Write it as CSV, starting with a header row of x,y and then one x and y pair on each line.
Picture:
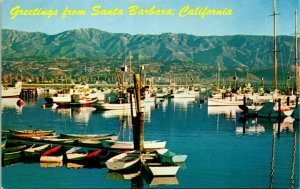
x,y
249,17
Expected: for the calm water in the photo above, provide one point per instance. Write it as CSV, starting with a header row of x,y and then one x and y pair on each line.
x,y
219,154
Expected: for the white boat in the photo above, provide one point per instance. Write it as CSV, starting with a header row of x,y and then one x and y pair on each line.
x,y
76,153
153,165
36,150
53,155
60,98
15,91
223,102
123,161
181,93
128,145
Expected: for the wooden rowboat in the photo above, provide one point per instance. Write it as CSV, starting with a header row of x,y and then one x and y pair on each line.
x,y
36,150
166,155
54,155
48,132
13,151
76,153
153,165
123,161
155,144
3,142
91,136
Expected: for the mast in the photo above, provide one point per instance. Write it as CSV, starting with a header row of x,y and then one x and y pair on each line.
x,y
218,76
296,54
130,69
275,49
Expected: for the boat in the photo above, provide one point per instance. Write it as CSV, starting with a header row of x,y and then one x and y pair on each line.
x,y
35,131
8,92
97,158
90,136
53,155
36,150
166,155
76,153
128,145
29,135
13,151
153,165
83,101
59,98
123,161
3,141
183,93
54,140
75,96
223,102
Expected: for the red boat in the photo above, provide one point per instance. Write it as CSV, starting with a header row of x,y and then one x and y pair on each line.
x,y
54,155
96,157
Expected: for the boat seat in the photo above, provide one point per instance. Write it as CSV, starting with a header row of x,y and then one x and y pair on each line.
x,y
154,164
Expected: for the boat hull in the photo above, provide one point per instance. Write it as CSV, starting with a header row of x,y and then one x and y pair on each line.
x,y
129,145
123,161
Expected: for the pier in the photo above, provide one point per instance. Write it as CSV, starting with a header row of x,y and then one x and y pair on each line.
x,y
28,93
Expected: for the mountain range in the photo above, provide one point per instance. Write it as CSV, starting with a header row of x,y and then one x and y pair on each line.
x,y
236,52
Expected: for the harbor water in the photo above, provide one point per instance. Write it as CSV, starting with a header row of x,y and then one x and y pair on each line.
x,y
224,151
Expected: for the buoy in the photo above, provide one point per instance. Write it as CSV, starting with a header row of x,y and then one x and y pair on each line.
x,y
20,102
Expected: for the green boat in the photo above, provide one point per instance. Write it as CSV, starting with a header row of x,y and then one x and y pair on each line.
x,y
3,142
91,136
13,151
166,155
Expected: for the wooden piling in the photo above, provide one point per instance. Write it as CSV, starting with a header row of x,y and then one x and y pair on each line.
x,y
138,126
288,101
279,107
297,100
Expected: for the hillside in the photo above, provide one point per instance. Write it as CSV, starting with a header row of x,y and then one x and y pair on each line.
x,y
238,52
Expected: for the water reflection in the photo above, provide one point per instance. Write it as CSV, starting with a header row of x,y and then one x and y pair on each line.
x,y
183,103
253,127
11,103
51,165
293,161
285,125
137,177
125,129
72,165
230,112
80,115
154,181
113,175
